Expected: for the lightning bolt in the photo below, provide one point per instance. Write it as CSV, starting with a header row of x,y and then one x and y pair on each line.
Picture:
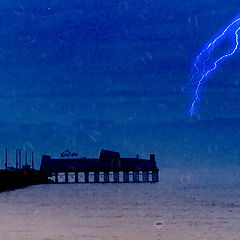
x,y
198,63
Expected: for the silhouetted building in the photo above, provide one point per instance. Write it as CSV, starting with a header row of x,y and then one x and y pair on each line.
x,y
106,162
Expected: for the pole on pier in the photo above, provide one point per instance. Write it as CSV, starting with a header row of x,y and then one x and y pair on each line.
x,y
20,158
32,161
6,160
26,158
17,159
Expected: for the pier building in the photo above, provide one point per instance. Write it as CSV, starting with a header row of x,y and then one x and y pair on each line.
x,y
108,167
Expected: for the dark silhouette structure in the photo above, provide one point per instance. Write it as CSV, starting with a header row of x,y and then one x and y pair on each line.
x,y
108,165
18,178
21,175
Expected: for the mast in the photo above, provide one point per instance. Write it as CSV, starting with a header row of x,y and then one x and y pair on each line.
x,y
6,160
26,158
32,161
17,159
20,158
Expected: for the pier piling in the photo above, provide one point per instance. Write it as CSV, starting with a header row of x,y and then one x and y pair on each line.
x,y
76,177
155,176
96,177
66,177
135,176
145,176
116,177
56,177
106,177
125,177
86,177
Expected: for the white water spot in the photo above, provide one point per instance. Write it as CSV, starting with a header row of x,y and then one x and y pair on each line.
x,y
158,225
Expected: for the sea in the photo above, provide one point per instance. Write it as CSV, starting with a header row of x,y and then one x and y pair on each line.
x,y
185,204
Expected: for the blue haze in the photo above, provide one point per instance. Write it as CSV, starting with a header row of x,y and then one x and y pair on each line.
x,y
90,74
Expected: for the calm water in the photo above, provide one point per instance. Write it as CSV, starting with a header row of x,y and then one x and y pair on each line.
x,y
190,204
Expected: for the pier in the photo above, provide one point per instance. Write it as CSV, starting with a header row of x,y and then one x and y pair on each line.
x,y
22,175
18,178
109,167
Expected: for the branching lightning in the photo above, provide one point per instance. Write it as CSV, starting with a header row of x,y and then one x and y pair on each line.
x,y
201,72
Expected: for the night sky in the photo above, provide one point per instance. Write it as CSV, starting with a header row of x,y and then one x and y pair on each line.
x,y
86,75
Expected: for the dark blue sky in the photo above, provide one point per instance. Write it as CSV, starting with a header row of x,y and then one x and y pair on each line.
x,y
97,64
124,59
88,60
